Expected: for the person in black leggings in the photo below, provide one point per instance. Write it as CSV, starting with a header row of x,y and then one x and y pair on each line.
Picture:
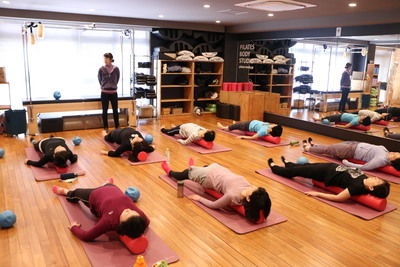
x,y
352,180
393,111
108,76
129,140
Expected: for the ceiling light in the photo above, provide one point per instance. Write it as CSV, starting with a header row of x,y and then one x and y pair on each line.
x,y
270,15
206,6
352,4
92,10
6,2
217,21
160,16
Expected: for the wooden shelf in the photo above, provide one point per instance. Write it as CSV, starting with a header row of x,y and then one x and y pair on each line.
x,y
208,74
259,74
5,107
281,84
176,73
282,74
175,100
206,99
214,85
181,114
285,96
170,85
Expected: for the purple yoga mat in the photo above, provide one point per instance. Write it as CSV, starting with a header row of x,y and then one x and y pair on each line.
x,y
48,172
385,176
108,250
202,150
153,157
351,129
227,216
383,126
304,185
257,141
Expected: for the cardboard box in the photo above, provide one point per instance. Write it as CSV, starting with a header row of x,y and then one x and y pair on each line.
x,y
146,112
298,103
165,111
177,110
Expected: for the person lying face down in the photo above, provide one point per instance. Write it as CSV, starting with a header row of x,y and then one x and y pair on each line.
x,y
117,212
191,132
236,189
352,180
351,119
55,150
373,155
129,140
374,116
261,128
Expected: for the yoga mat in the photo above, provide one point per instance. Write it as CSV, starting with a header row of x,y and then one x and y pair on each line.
x,y
256,141
383,126
202,150
108,250
227,216
385,176
351,129
48,172
304,185
153,157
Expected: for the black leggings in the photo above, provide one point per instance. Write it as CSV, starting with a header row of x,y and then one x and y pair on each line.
x,y
173,131
184,175
81,194
113,98
315,171
343,100
243,126
334,118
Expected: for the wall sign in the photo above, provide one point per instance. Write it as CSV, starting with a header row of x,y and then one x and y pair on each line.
x,y
244,55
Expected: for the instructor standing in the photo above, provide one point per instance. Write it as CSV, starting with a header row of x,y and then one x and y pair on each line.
x,y
345,84
108,78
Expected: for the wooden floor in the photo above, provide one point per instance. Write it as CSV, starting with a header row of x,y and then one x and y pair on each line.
x,y
315,234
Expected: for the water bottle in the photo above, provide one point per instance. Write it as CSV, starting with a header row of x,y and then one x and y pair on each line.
x,y
294,143
179,191
167,152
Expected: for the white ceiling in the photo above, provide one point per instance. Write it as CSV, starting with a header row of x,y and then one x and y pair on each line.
x,y
194,12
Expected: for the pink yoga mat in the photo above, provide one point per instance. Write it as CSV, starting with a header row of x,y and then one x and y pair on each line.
x,y
227,216
153,157
202,150
108,250
48,172
257,141
303,185
351,129
385,176
383,126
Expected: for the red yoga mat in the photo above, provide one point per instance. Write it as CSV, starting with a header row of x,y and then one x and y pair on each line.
x,y
227,216
48,172
382,175
257,141
202,150
108,250
153,157
304,185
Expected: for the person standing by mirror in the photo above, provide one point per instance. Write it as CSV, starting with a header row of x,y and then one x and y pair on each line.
x,y
345,85
108,78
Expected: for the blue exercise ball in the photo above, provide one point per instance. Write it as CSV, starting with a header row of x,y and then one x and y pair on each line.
x,y
149,139
133,193
2,152
302,160
57,95
77,141
7,219
325,121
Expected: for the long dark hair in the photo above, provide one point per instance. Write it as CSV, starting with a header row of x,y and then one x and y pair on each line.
x,y
259,200
132,227
139,147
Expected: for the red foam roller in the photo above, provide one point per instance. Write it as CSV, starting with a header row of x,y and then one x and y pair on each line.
x,y
387,169
204,143
358,127
381,122
268,138
135,245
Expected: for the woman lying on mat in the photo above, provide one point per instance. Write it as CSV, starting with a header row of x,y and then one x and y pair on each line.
x,y
351,119
374,116
129,140
191,132
261,128
55,150
393,111
236,189
391,134
117,211
352,180
374,156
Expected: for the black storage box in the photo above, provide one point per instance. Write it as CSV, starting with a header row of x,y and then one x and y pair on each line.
x,y
50,123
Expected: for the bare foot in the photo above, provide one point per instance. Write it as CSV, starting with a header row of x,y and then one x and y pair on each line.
x,y
315,118
58,190
109,181
103,133
162,127
173,125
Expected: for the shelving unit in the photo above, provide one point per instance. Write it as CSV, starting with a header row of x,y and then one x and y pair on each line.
x,y
172,93
374,90
279,85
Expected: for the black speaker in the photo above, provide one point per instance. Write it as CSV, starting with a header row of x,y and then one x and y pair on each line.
x,y
235,112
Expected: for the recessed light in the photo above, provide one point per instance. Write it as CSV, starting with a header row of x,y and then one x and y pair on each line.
x,y
92,10
217,21
6,2
160,16
270,15
206,6
352,4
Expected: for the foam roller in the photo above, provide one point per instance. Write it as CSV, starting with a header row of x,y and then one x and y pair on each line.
x,y
235,112
223,110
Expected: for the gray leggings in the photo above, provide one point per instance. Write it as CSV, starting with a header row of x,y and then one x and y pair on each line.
x,y
343,150
243,126
394,136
